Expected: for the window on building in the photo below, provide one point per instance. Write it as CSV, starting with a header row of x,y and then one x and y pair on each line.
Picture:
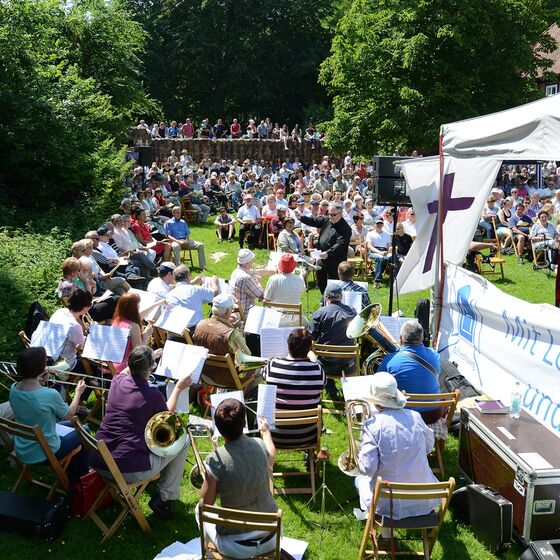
x,y
551,89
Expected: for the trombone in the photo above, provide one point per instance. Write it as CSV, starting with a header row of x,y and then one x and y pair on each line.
x,y
357,412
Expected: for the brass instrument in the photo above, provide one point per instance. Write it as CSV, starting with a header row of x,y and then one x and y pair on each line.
x,y
60,369
165,434
197,472
245,362
367,326
357,412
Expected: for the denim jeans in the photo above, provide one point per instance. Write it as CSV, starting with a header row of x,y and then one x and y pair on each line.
x,y
380,261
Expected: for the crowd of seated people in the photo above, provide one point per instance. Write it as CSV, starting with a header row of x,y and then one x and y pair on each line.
x,y
264,130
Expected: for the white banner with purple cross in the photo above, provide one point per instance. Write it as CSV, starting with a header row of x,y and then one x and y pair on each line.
x,y
466,185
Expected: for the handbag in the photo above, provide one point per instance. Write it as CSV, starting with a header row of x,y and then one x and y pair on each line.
x,y
86,491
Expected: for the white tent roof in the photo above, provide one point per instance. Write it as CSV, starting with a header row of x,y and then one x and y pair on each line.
x,y
527,132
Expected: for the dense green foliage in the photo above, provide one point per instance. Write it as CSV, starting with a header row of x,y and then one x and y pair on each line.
x,y
399,69
236,58
69,87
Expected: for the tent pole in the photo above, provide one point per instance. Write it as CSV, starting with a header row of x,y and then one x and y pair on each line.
x,y
438,286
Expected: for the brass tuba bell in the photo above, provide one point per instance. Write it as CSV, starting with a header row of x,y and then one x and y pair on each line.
x,y
245,362
165,434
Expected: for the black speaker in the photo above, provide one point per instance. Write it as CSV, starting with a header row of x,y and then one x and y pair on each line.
x,y
145,155
387,166
392,190
542,550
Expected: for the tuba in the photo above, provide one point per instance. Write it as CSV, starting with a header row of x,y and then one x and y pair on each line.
x,y
165,434
357,412
246,362
368,327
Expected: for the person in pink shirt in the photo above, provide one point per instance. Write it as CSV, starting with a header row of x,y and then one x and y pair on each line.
x,y
187,130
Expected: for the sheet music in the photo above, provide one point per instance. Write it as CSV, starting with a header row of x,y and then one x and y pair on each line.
x,y
183,405
223,285
51,336
106,343
274,342
294,547
62,430
266,404
262,317
273,260
353,300
180,360
175,319
217,398
106,295
394,324
149,304
356,387
364,285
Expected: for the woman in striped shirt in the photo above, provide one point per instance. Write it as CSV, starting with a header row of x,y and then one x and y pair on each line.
x,y
299,383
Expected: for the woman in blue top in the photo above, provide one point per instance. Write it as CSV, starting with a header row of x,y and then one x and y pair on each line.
x,y
33,404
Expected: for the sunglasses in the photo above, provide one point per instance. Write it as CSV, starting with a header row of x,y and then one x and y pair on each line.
x,y
335,214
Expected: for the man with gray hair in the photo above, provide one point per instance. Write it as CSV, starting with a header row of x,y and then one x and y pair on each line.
x,y
334,238
415,367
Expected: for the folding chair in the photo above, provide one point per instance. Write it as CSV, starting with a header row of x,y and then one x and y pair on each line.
x,y
125,494
236,519
301,419
34,433
161,336
359,261
541,260
441,427
187,209
494,264
295,309
351,352
187,256
429,524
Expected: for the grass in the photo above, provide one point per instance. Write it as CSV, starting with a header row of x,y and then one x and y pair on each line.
x,y
28,272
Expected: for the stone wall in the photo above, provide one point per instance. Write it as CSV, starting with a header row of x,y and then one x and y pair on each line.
x,y
198,149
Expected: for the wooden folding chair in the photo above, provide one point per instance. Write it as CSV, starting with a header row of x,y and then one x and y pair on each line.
x,y
303,419
58,466
441,427
188,211
495,263
359,260
295,309
429,524
161,336
540,259
245,521
351,352
127,494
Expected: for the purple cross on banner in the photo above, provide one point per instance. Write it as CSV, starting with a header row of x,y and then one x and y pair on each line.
x,y
449,205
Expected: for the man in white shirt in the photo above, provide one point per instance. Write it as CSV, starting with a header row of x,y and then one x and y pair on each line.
x,y
190,295
378,243
163,284
249,219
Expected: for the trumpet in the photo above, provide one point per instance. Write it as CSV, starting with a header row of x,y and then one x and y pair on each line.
x,y
357,412
245,362
368,327
165,434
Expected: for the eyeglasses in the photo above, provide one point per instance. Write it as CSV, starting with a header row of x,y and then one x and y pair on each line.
x,y
333,215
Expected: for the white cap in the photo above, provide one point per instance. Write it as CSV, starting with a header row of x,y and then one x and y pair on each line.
x,y
384,392
245,256
167,265
223,301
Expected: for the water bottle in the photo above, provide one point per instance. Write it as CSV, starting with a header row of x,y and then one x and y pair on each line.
x,y
515,406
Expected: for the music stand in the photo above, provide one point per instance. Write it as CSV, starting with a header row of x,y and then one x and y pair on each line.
x,y
324,456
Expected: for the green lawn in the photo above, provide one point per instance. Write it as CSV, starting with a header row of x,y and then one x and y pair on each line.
x,y
29,272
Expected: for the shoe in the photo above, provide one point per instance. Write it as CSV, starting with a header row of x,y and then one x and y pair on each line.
x,y
161,508
220,240
230,240
519,260
134,277
376,285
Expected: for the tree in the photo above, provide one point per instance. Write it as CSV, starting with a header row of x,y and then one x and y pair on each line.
x,y
69,86
399,69
235,58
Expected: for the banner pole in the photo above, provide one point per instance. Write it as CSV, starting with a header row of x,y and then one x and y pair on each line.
x,y
439,279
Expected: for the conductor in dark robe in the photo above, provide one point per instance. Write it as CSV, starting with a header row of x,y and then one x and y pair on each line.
x,y
334,238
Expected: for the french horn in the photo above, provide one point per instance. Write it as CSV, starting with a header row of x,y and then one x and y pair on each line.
x,y
367,326
357,412
165,434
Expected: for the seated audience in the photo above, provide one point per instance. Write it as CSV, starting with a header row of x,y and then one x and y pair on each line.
x,y
378,243
178,233
225,226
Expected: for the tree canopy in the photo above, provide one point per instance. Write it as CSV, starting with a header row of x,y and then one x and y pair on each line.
x,y
398,69
69,87
235,58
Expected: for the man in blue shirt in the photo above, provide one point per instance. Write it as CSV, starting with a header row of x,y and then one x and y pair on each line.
x,y
178,232
415,367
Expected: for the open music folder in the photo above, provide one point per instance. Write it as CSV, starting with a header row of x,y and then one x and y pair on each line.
x,y
150,304
262,317
180,360
274,341
106,343
175,319
51,336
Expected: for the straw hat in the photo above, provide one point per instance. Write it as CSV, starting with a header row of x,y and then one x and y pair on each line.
x,y
384,392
